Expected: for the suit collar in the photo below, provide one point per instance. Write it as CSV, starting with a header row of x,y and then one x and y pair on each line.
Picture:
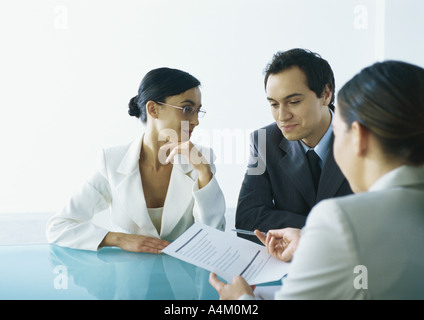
x,y
403,176
294,158
178,198
294,164
130,161
323,146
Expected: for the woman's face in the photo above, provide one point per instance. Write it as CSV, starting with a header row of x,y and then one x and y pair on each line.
x,y
175,125
345,152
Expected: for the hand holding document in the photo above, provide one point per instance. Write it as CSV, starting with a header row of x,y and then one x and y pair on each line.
x,y
226,255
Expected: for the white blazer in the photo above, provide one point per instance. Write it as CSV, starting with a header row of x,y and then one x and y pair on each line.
x,y
117,186
364,246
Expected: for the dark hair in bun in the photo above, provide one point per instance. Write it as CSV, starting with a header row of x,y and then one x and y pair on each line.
x,y
157,85
388,99
133,109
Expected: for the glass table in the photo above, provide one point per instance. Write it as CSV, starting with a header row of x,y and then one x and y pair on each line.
x,y
52,272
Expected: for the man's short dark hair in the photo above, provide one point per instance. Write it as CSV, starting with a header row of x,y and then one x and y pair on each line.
x,y
317,70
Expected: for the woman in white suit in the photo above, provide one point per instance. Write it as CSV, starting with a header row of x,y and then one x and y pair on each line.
x,y
156,186
368,245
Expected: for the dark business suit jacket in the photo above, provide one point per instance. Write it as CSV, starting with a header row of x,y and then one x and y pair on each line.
x,y
278,189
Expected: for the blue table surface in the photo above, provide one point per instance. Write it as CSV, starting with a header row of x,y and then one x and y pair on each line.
x,y
53,272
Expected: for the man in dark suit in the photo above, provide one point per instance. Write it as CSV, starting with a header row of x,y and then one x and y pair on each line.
x,y
291,165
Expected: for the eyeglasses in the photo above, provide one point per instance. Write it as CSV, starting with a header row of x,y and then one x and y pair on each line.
x,y
188,111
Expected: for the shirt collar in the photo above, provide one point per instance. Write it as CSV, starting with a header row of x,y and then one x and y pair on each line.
x,y
321,149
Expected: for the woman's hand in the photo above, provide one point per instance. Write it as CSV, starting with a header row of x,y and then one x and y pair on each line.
x,y
194,157
282,243
134,242
231,291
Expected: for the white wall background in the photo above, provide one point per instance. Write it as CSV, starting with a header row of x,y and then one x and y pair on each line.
x,y
69,67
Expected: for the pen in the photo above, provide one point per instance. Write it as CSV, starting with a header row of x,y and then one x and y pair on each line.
x,y
246,232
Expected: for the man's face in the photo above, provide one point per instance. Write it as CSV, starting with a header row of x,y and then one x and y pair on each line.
x,y
298,112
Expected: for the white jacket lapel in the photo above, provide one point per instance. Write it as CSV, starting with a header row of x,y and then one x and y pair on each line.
x,y
179,196
131,189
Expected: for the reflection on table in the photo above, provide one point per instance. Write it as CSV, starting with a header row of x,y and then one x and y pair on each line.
x,y
53,272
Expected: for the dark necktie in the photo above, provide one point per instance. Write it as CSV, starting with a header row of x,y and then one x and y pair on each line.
x,y
313,160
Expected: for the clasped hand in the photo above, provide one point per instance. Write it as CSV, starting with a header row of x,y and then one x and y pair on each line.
x,y
193,156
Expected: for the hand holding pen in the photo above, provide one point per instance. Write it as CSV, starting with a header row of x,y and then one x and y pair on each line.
x,y
281,243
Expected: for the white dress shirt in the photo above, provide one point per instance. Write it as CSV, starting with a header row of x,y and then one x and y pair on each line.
x,y
321,149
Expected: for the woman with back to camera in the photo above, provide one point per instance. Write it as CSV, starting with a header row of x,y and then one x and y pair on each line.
x,y
368,245
157,186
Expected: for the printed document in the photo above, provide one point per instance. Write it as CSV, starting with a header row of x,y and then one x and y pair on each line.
x,y
226,255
